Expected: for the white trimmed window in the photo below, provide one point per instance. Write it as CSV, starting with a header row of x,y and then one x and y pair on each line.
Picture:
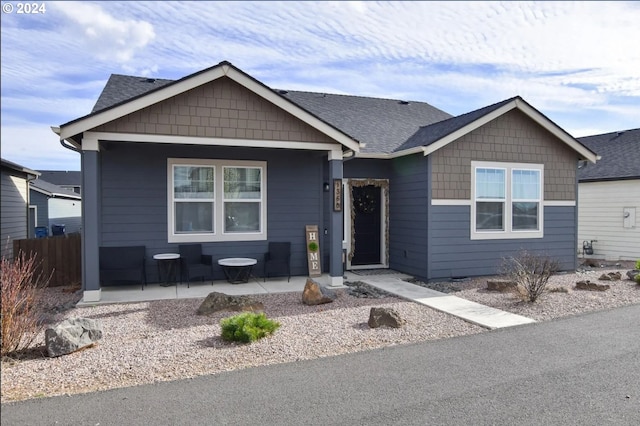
x,y
506,200
216,200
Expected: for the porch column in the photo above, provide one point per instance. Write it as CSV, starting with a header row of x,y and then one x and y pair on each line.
x,y
335,221
90,220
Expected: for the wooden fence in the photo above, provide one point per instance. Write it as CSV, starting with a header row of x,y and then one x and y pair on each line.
x,y
58,257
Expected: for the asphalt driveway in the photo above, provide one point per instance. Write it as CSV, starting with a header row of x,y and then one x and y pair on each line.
x,y
583,370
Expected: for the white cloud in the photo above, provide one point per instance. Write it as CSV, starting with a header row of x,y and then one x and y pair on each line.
x,y
37,148
108,37
577,61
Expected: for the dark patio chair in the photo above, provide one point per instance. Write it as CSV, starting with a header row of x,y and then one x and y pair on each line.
x,y
123,265
193,263
277,261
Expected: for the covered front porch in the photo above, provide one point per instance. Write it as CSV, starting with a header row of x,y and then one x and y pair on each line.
x,y
198,289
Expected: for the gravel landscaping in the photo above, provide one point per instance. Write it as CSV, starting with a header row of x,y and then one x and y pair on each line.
x,y
166,340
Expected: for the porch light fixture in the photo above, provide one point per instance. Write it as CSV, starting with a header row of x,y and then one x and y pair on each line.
x,y
326,187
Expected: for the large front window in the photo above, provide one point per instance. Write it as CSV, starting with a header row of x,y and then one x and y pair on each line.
x,y
507,200
216,200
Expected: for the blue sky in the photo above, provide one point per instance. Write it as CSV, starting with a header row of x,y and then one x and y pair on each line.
x,y
576,62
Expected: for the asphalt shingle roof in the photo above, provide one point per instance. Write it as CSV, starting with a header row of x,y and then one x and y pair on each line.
x,y
382,124
62,177
429,134
620,152
53,189
120,88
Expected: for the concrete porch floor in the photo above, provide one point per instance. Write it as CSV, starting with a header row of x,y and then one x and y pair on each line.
x,y
199,289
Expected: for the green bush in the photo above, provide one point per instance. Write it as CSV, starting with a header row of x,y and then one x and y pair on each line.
x,y
247,327
638,264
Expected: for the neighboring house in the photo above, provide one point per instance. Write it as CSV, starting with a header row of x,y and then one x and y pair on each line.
x,y
15,205
609,197
219,158
55,206
71,180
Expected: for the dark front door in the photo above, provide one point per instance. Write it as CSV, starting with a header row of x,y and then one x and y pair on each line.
x,y
367,221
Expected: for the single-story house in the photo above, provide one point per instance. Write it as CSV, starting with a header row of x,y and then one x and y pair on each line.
x,y
15,212
609,197
67,179
55,206
219,158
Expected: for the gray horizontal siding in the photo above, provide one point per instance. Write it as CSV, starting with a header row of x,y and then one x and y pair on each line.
x,y
408,233
133,208
365,168
455,255
13,225
41,201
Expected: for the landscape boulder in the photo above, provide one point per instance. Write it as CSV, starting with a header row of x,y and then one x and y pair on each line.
x,y
502,286
611,276
72,335
384,317
632,274
588,285
593,263
315,294
216,302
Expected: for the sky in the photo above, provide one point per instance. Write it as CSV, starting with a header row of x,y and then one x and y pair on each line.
x,y
576,62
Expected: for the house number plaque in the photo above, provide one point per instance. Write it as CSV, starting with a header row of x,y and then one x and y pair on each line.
x,y
313,251
337,195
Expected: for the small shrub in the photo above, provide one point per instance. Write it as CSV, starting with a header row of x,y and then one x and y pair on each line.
x,y
530,272
638,264
247,327
21,289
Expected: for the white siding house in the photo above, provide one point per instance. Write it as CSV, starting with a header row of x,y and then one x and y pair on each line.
x,y
609,197
56,206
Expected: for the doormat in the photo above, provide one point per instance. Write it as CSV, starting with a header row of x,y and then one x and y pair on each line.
x,y
380,271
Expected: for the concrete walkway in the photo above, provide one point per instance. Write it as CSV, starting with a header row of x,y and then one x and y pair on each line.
x,y
473,312
393,283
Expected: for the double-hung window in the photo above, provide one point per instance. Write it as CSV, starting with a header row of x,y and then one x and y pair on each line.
x,y
506,200
216,200
242,199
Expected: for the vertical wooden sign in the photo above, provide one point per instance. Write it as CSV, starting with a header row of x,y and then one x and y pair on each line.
x,y
337,195
313,250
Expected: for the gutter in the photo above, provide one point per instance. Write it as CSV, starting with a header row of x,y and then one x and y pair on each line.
x,y
63,142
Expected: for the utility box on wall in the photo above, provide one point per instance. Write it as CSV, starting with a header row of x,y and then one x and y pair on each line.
x,y
628,217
